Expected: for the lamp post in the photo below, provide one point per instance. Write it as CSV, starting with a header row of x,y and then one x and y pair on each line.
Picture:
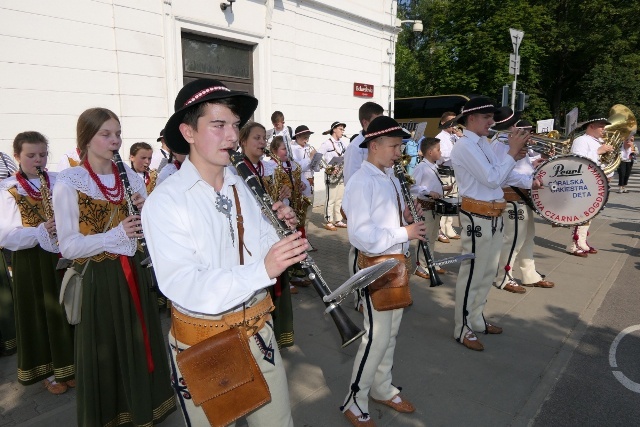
x,y
416,28
514,62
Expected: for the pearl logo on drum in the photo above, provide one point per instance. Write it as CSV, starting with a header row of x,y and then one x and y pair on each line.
x,y
559,170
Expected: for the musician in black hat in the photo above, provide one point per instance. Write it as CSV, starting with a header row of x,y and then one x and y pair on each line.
x,y
518,218
331,148
213,251
480,174
379,224
160,157
590,145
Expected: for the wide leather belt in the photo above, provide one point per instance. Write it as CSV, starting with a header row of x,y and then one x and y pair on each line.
x,y
511,196
427,205
480,207
192,330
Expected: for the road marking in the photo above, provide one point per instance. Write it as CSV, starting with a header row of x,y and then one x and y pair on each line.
x,y
631,385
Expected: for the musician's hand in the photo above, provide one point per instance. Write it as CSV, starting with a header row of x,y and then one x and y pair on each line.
x,y
50,226
434,195
417,230
137,200
285,253
408,217
286,214
447,187
132,226
285,192
605,148
517,140
536,184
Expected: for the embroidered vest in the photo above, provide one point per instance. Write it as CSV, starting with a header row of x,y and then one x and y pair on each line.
x,y
31,211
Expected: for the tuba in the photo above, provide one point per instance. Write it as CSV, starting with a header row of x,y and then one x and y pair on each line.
x,y
623,125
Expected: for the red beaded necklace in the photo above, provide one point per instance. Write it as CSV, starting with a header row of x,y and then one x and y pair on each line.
x,y
112,194
29,188
177,164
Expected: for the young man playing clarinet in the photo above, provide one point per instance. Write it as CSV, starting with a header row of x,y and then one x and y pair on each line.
x,y
380,225
480,174
213,251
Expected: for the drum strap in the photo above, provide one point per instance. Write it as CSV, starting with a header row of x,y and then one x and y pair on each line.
x,y
526,199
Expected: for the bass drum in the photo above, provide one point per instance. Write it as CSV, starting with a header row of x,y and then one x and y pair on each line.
x,y
575,190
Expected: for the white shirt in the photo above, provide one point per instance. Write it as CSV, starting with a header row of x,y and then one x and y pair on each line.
x,y
427,179
625,153
371,204
157,157
63,163
7,166
302,156
446,145
587,146
13,235
522,174
331,148
479,171
74,244
195,260
353,157
166,172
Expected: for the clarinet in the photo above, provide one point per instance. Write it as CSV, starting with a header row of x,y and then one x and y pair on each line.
x,y
133,210
424,246
349,332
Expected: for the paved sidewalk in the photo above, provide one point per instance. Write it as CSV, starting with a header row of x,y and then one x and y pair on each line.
x,y
451,386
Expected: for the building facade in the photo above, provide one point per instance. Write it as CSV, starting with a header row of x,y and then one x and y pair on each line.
x,y
305,58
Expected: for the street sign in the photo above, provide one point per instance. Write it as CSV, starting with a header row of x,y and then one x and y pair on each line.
x,y
514,64
516,38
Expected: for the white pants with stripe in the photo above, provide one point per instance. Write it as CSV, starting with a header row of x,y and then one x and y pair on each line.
x,y
579,235
517,245
483,237
334,202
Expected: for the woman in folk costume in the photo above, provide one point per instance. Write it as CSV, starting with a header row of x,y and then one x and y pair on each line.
x,y
121,362
27,227
140,155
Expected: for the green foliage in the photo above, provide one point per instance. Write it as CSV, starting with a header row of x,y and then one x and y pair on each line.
x,y
574,53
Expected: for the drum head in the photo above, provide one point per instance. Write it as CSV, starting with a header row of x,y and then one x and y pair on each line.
x,y
574,191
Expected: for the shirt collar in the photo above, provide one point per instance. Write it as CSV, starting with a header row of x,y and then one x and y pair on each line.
x,y
189,176
373,171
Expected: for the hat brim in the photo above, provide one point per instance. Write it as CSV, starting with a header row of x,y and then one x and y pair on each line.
x,y
246,105
447,124
583,124
402,133
485,110
327,132
304,132
159,139
508,123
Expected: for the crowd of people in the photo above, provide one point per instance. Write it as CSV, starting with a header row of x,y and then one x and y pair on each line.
x,y
226,271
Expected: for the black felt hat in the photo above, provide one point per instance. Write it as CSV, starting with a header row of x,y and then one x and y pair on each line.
x,y
301,130
477,105
333,126
161,136
504,118
197,92
447,124
594,118
383,126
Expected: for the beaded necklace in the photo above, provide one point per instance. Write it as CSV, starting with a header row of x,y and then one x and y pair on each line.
x,y
28,186
112,194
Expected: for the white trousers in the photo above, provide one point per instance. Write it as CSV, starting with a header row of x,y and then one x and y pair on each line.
x,y
517,245
432,223
276,413
579,235
334,202
483,237
371,373
446,222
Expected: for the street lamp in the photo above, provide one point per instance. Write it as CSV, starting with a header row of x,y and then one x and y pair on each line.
x,y
417,24
417,28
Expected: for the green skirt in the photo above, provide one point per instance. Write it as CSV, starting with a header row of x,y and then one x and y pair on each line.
x,y
7,318
44,337
283,313
114,384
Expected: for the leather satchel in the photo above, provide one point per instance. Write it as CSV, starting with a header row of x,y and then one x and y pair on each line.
x,y
223,377
390,291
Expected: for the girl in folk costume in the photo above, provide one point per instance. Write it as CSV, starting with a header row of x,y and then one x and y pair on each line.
x,y
174,162
253,141
140,156
121,361
27,227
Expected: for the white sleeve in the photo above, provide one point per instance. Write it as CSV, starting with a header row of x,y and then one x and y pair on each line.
x,y
488,174
353,159
74,244
299,158
63,163
13,235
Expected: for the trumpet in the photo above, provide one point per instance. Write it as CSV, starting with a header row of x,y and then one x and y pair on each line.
x,y
544,145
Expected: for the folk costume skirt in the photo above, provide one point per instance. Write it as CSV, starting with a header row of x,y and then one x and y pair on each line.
x,y
283,314
7,318
121,359
44,337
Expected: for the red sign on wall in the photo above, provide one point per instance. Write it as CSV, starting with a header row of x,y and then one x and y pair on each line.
x,y
363,89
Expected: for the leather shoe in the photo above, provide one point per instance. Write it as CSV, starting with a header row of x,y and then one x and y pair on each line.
x,y
443,239
456,237
355,420
340,224
472,342
580,253
492,329
514,287
592,250
423,275
55,387
402,406
440,270
330,227
540,284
